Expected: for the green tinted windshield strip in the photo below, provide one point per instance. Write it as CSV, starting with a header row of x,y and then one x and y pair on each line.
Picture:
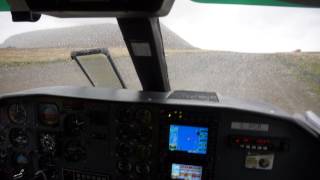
x,y
251,2
4,6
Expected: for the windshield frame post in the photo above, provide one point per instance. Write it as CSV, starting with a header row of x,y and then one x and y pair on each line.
x,y
143,39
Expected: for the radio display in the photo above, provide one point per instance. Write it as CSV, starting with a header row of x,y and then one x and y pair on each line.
x,y
186,172
189,139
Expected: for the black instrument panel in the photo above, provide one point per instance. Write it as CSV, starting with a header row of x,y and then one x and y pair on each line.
x,y
78,139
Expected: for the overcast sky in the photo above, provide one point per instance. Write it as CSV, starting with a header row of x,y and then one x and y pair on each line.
x,y
217,27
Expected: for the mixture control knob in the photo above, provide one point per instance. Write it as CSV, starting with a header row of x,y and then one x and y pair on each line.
x,y
264,163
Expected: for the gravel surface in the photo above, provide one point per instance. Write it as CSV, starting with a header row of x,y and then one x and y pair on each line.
x,y
259,77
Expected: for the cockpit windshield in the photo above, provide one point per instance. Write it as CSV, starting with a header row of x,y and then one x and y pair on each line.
x,y
259,53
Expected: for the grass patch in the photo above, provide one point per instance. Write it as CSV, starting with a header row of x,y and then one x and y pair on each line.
x,y
19,56
306,66
32,62
14,57
311,73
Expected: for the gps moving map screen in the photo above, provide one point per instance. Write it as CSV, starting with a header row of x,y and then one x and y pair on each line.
x,y
186,172
189,139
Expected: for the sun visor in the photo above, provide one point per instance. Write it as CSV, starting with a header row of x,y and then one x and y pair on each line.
x,y
91,8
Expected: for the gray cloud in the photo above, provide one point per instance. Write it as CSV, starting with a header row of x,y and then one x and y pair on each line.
x,y
216,27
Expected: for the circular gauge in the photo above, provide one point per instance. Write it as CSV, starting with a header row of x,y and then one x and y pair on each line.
x,y
48,143
18,137
17,113
49,114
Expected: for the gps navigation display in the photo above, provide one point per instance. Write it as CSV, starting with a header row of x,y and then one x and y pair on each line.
x,y
189,139
186,172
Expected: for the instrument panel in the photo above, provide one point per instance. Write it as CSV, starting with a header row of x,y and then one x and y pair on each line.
x,y
98,139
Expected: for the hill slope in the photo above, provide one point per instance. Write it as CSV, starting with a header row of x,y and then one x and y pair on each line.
x,y
88,36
